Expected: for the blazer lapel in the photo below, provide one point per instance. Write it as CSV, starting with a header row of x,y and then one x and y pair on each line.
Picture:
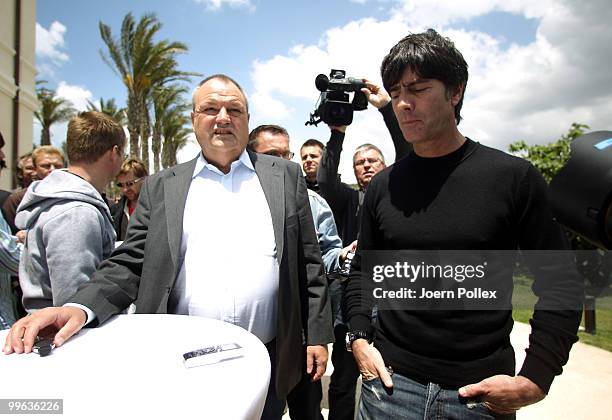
x,y
272,180
176,187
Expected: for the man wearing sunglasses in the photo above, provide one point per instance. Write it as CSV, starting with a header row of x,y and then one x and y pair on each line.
x,y
130,179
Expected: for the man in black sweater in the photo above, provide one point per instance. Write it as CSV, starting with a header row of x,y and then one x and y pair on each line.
x,y
452,193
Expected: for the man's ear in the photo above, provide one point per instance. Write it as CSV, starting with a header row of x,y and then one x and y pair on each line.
x,y
457,94
116,153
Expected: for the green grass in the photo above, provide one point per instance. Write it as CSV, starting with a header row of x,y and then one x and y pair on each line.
x,y
523,298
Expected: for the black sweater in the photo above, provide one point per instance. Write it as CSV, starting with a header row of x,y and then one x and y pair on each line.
x,y
475,198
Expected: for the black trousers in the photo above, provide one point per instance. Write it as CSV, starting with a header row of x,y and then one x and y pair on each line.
x,y
273,407
343,380
304,401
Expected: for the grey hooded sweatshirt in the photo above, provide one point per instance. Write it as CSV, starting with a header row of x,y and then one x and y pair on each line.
x,y
69,233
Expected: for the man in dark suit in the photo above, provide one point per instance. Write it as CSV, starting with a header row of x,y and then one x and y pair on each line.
x,y
179,211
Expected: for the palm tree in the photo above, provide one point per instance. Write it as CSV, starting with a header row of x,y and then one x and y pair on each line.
x,y
142,65
167,101
175,132
109,108
53,109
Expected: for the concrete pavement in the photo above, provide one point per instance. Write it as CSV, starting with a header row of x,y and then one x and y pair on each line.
x,y
583,391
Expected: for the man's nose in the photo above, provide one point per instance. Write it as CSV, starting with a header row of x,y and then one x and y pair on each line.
x,y
223,116
404,103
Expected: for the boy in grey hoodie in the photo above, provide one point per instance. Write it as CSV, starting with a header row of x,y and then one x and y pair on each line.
x,y
69,225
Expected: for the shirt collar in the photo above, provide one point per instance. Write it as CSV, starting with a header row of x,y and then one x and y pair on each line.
x,y
202,164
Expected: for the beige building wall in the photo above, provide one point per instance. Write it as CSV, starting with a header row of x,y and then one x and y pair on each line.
x,y
18,137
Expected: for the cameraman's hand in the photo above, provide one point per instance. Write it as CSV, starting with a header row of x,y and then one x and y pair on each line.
x,y
64,322
376,95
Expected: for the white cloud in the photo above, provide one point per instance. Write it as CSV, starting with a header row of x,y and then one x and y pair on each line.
x,y
235,4
536,91
531,92
50,43
78,95
269,107
438,13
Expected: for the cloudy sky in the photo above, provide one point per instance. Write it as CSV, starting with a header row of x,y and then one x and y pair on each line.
x,y
535,67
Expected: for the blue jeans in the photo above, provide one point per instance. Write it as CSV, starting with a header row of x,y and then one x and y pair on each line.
x,y
413,400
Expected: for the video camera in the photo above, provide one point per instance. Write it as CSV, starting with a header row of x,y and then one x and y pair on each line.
x,y
334,107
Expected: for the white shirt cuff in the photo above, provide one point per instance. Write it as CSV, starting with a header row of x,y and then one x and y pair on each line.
x,y
90,315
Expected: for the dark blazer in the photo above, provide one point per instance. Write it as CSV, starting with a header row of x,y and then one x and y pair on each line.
x,y
143,270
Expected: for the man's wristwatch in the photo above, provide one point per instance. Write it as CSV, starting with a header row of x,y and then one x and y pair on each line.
x,y
354,335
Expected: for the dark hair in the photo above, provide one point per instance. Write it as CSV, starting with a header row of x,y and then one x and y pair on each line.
x,y
227,79
268,128
90,135
1,140
430,56
313,142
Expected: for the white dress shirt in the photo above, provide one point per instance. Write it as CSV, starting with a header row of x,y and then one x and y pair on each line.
x,y
230,270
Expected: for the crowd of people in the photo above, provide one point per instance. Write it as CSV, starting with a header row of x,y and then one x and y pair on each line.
x,y
293,227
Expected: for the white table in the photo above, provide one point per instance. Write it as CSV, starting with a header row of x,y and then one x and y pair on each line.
x,y
132,368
